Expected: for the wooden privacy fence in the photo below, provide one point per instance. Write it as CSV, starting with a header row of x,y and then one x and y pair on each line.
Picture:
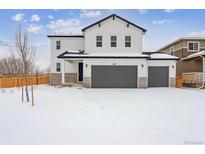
x,y
18,81
190,79
179,82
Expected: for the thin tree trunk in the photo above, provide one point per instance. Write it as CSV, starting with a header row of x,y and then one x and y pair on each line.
x,y
27,96
26,81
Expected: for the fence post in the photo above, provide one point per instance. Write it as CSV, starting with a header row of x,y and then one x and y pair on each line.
x,y
36,79
22,94
32,95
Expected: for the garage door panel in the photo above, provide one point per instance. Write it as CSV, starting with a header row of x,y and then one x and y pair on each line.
x,y
114,76
158,76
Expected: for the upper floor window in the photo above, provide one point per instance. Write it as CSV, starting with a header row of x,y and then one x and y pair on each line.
x,y
58,45
113,41
193,46
127,41
98,41
58,67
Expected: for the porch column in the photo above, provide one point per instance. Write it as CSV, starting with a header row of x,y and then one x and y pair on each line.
x,y
63,71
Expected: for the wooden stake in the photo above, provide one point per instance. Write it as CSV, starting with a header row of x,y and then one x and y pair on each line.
x,y
22,94
32,95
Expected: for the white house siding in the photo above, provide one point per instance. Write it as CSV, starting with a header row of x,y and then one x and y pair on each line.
x,y
67,43
172,68
142,70
107,28
117,28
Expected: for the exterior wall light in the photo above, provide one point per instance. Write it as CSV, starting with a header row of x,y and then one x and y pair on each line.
x,y
142,65
172,66
86,65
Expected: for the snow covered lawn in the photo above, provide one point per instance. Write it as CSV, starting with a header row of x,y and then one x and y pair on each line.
x,y
103,116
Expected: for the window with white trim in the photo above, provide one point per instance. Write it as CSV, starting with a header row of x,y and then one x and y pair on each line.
x,y
113,41
58,45
58,67
193,46
98,41
127,41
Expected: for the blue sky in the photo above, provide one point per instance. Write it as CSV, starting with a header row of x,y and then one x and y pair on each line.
x,y
162,26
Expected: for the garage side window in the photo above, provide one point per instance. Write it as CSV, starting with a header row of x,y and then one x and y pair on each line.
x,y
58,67
58,45
98,41
127,41
113,41
193,46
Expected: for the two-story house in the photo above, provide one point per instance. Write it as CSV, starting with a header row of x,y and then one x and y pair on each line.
x,y
188,49
109,54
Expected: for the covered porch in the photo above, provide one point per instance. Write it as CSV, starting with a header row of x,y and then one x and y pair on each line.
x,y
196,77
72,72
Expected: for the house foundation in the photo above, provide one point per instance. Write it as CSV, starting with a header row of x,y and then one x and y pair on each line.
x,y
87,82
56,79
70,77
172,82
143,82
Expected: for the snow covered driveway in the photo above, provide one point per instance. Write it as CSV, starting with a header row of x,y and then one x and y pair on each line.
x,y
103,116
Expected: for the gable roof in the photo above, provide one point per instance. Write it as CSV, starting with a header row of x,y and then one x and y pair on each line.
x,y
181,39
114,15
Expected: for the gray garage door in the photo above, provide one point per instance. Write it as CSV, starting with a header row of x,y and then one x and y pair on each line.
x,y
114,76
158,76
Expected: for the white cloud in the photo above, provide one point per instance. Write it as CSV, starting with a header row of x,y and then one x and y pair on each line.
x,y
36,29
4,47
68,30
142,11
35,17
63,26
90,14
197,34
163,21
18,17
169,10
5,43
50,17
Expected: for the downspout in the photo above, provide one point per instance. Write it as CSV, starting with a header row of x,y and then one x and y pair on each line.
x,y
203,71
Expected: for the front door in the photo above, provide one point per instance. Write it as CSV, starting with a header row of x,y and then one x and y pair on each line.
x,y
80,71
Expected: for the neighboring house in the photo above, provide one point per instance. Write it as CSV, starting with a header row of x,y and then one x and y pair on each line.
x,y
183,48
109,54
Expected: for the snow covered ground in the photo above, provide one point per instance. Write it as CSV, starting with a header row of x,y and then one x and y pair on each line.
x,y
103,116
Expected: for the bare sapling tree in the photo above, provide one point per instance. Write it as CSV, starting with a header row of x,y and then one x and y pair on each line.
x,y
11,66
26,52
